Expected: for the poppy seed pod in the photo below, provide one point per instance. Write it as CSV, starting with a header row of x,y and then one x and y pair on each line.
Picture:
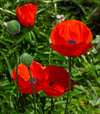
x,y
13,26
26,59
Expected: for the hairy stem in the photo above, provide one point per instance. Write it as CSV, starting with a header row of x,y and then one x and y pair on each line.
x,y
34,99
52,101
16,70
67,100
52,105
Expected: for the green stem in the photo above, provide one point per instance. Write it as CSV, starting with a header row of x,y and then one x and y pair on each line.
x,y
52,101
16,70
33,90
67,100
35,1
50,56
52,105
55,6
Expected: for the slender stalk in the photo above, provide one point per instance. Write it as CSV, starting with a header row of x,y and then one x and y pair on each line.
x,y
33,90
35,1
67,99
52,102
50,56
55,6
16,70
52,105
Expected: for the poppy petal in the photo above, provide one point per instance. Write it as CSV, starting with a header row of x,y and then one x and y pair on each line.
x,y
56,81
72,50
24,82
70,30
26,14
21,82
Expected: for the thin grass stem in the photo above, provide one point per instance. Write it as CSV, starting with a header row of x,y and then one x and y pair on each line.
x,y
7,11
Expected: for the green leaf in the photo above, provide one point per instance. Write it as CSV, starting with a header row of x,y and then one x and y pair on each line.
x,y
8,65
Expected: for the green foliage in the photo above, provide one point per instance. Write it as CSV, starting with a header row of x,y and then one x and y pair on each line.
x,y
97,41
85,95
6,95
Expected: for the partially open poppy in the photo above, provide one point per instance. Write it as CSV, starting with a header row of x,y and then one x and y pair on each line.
x,y
24,82
71,38
26,14
56,81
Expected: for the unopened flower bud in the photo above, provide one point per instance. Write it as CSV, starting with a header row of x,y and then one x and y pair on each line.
x,y
13,26
26,59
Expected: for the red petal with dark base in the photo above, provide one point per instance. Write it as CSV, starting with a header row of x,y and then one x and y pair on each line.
x,y
24,82
71,30
56,81
72,51
71,38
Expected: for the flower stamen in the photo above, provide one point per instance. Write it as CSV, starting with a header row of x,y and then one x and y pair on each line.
x,y
35,80
51,83
71,41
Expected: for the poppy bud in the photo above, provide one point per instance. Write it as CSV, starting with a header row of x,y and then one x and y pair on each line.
x,y
13,26
26,14
26,59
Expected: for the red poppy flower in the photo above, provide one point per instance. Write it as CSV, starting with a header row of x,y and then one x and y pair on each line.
x,y
26,14
71,38
56,81
24,82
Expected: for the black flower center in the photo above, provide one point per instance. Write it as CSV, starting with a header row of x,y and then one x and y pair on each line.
x,y
71,41
35,80
51,83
